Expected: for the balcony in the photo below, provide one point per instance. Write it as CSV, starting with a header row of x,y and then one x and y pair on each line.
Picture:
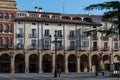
x,y
95,48
115,39
94,37
46,47
47,36
19,35
33,36
106,48
115,49
32,47
105,38
19,46
72,47
71,37
6,47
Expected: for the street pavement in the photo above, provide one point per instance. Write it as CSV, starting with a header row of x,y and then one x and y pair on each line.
x,y
50,76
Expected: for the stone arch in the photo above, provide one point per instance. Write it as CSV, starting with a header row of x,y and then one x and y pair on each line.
x,y
83,63
106,62
19,63
87,19
60,62
47,63
72,67
95,62
76,18
66,17
5,63
33,63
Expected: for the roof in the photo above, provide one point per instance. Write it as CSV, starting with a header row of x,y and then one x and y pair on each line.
x,y
56,21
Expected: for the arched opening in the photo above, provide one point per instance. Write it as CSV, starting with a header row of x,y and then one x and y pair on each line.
x,y
47,63
60,62
19,63
72,63
76,18
66,17
33,63
5,63
84,63
12,16
117,62
106,62
6,16
87,19
95,63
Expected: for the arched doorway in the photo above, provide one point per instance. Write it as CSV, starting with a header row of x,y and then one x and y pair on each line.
x,y
19,63
84,63
33,63
5,63
95,63
47,63
106,62
72,63
116,62
60,62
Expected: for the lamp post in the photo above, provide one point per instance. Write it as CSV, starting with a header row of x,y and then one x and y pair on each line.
x,y
55,71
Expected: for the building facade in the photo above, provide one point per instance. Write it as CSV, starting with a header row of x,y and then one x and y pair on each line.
x,y
34,50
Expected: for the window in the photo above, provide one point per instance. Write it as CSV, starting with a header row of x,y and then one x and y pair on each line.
x,y
85,43
33,33
116,45
20,32
105,45
1,28
6,42
1,15
59,33
19,43
44,16
10,27
46,43
72,33
47,24
6,16
12,16
33,23
59,24
72,44
105,27
19,22
10,42
6,28
94,26
46,32
33,43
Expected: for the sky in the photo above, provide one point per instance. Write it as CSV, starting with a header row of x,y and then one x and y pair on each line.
x,y
70,6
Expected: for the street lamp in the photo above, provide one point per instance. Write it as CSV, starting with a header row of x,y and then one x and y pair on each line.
x,y
55,71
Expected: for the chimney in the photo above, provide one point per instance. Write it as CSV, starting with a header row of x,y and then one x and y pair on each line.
x,y
36,8
40,9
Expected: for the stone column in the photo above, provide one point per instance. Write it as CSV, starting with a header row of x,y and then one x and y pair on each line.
x,y
53,64
66,65
26,63
40,62
12,64
78,64
89,61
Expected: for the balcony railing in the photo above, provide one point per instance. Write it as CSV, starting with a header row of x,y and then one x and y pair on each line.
x,y
19,35
95,48
19,46
31,47
33,36
105,48
105,38
115,39
115,49
72,47
46,47
72,37
94,37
